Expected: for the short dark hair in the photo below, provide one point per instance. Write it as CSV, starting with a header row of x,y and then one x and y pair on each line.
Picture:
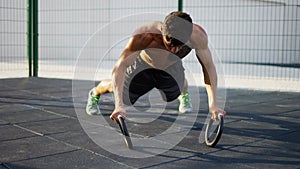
x,y
178,27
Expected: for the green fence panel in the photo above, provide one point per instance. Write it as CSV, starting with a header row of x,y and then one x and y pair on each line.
x,y
13,60
65,27
254,39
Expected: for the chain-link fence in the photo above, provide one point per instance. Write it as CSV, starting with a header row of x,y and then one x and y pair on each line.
x,y
253,39
65,28
13,57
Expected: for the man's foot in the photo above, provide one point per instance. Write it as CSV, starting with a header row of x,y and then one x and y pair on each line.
x,y
185,105
92,107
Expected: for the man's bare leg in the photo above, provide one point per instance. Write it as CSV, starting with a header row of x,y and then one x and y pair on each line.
x,y
185,87
105,86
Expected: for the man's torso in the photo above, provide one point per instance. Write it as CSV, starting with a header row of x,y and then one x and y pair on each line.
x,y
156,53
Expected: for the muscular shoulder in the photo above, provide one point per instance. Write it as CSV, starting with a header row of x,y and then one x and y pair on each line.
x,y
143,36
152,28
139,41
199,37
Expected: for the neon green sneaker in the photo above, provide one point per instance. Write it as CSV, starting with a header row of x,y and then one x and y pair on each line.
x,y
92,107
185,105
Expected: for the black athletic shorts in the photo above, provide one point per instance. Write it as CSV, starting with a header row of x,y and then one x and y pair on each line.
x,y
140,78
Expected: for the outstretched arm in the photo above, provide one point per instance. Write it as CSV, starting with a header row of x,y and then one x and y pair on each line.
x,y
200,43
136,43
118,76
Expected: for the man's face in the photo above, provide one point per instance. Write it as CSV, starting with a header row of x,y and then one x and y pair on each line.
x,y
169,46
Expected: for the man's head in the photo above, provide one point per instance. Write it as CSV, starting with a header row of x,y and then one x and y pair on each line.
x,y
177,28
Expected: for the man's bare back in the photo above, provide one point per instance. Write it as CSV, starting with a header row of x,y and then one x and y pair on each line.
x,y
157,53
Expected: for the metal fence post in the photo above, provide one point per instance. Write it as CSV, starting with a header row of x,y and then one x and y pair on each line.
x,y
35,36
29,38
180,5
32,37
